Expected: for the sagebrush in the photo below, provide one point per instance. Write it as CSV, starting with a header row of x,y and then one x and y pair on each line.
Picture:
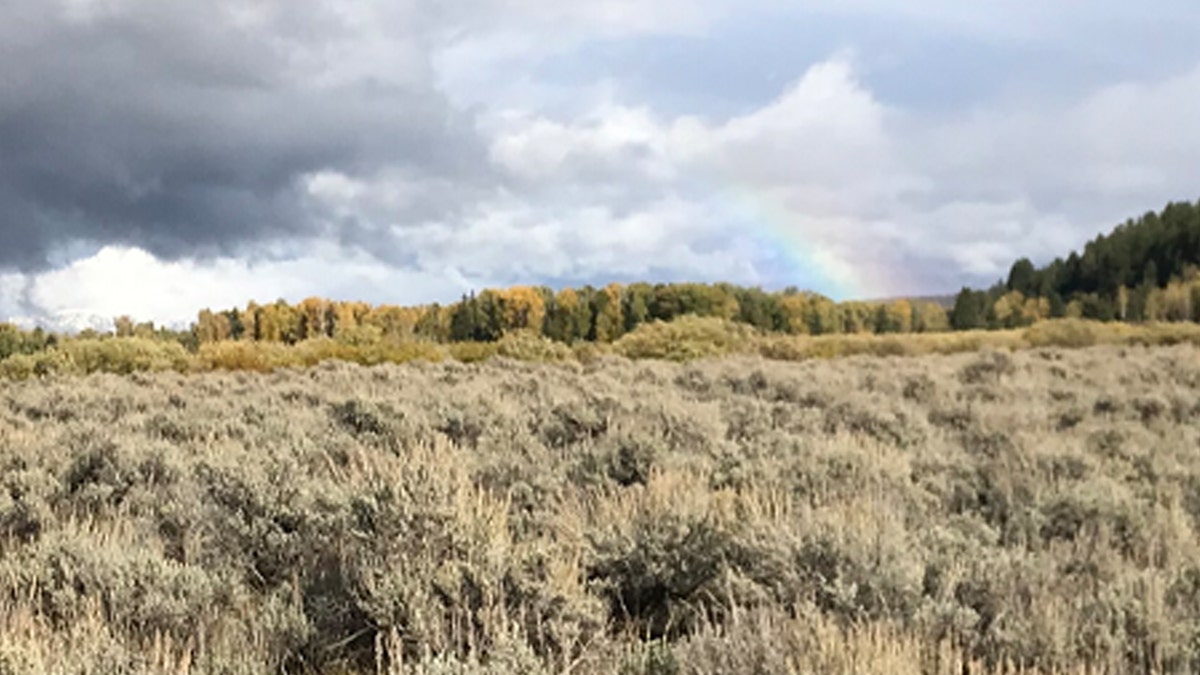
x,y
1028,511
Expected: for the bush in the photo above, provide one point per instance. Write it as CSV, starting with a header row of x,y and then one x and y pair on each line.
x,y
528,346
473,352
18,367
1065,333
49,363
140,590
799,348
660,577
685,338
245,355
867,515
590,352
365,353
989,368
126,355
410,350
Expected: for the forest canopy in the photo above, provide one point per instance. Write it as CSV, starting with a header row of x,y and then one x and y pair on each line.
x,y
1144,270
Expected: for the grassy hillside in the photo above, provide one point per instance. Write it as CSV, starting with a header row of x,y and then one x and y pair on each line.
x,y
1031,510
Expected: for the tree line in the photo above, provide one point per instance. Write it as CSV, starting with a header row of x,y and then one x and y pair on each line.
x,y
1146,269
568,315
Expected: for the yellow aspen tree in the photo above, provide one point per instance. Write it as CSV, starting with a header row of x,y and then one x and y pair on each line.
x,y
409,318
269,324
900,313
288,320
314,314
1177,301
248,317
433,322
796,313
212,326
1036,309
1123,303
520,308
566,308
933,318
442,314
360,310
394,322
345,317
1007,309
610,320
824,315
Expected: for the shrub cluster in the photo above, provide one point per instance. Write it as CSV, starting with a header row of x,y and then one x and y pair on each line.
x,y
687,338
1027,511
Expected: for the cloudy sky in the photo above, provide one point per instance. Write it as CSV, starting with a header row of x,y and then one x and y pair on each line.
x,y
158,157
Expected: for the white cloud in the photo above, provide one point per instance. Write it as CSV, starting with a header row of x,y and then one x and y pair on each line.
x,y
865,186
808,160
512,241
578,181
1077,167
614,140
122,280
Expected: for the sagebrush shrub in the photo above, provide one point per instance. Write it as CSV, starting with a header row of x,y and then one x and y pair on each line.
x,y
731,515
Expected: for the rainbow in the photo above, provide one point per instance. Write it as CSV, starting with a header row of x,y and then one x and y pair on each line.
x,y
793,243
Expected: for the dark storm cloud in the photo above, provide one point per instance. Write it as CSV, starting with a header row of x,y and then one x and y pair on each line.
x,y
170,127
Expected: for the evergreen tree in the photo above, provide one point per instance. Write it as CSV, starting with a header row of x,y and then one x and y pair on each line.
x,y
1058,307
1022,277
635,304
463,319
964,315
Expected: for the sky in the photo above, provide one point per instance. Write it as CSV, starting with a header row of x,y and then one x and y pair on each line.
x,y
161,157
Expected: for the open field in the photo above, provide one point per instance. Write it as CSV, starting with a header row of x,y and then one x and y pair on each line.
x,y
685,339
1033,511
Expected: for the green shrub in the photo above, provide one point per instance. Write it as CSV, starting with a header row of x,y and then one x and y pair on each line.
x,y
126,355
528,346
49,363
590,352
311,352
472,352
246,355
686,338
783,348
1065,333
661,577
18,367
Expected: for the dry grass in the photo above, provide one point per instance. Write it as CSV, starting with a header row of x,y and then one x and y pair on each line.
x,y
685,339
1032,511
